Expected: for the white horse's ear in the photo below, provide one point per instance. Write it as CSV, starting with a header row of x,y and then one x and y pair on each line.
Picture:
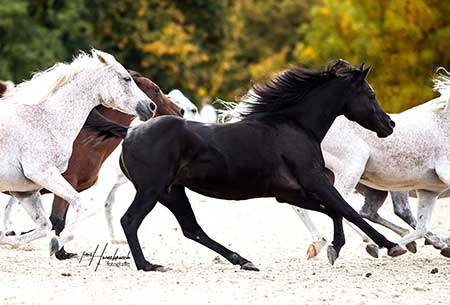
x,y
103,57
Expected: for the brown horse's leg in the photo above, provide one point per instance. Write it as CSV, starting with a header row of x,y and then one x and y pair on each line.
x,y
58,219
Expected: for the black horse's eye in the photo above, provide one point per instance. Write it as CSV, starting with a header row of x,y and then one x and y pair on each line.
x,y
126,78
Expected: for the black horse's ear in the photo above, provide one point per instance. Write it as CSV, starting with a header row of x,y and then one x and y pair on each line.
x,y
361,67
362,74
366,71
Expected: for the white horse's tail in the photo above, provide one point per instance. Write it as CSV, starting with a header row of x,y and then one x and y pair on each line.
x,y
441,83
228,112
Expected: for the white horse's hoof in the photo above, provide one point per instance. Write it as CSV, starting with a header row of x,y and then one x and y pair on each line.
x,y
54,245
412,247
435,241
119,241
446,252
2,235
315,248
372,250
395,251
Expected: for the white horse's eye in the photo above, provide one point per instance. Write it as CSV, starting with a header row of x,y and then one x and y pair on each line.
x,y
194,110
126,78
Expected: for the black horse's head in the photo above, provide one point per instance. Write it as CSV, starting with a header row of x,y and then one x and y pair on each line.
x,y
361,104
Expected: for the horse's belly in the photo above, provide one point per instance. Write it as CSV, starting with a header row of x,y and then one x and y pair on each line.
x,y
16,183
402,180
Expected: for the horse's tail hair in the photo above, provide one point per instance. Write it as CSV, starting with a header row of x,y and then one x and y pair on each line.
x,y
104,127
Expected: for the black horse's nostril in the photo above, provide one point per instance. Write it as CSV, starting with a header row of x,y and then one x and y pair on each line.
x,y
392,124
182,111
152,106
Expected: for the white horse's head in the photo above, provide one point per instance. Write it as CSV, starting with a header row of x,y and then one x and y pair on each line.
x,y
118,90
98,74
190,110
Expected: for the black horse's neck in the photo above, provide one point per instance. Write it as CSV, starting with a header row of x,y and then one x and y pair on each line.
x,y
320,108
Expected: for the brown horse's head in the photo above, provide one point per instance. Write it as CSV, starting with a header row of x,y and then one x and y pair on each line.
x,y
2,88
165,105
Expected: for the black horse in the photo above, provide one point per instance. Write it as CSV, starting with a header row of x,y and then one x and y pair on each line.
x,y
274,151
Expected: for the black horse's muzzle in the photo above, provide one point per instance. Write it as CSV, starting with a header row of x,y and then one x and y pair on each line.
x,y
387,130
146,109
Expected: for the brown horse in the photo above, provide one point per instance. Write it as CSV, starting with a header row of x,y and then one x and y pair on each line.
x,y
2,88
88,156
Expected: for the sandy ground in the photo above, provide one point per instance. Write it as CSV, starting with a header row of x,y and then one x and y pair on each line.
x,y
264,231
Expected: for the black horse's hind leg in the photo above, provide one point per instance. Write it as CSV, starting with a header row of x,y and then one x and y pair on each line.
x,y
143,203
178,203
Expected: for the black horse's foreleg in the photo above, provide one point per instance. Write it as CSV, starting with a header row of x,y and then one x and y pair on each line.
x,y
322,188
315,205
178,203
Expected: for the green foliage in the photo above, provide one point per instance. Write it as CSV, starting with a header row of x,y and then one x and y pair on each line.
x,y
218,48
36,34
404,40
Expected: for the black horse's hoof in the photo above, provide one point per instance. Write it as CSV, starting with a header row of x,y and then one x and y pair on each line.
x,y
446,252
10,233
249,266
54,245
412,247
332,255
151,267
396,251
372,250
63,255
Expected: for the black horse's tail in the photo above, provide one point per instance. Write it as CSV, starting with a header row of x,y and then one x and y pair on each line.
x,y
104,127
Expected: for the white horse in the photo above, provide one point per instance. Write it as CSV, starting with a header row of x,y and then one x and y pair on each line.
x,y
190,110
415,157
39,122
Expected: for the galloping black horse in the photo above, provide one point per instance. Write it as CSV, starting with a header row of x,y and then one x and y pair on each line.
x,y
274,151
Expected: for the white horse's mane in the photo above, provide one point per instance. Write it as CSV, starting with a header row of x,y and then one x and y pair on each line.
x,y
44,83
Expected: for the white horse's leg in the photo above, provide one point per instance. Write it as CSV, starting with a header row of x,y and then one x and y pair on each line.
x,y
108,212
318,240
32,204
427,201
52,180
7,222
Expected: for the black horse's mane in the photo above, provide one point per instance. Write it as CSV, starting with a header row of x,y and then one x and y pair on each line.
x,y
288,88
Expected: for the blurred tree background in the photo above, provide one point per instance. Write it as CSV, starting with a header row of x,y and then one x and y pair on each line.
x,y
218,48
